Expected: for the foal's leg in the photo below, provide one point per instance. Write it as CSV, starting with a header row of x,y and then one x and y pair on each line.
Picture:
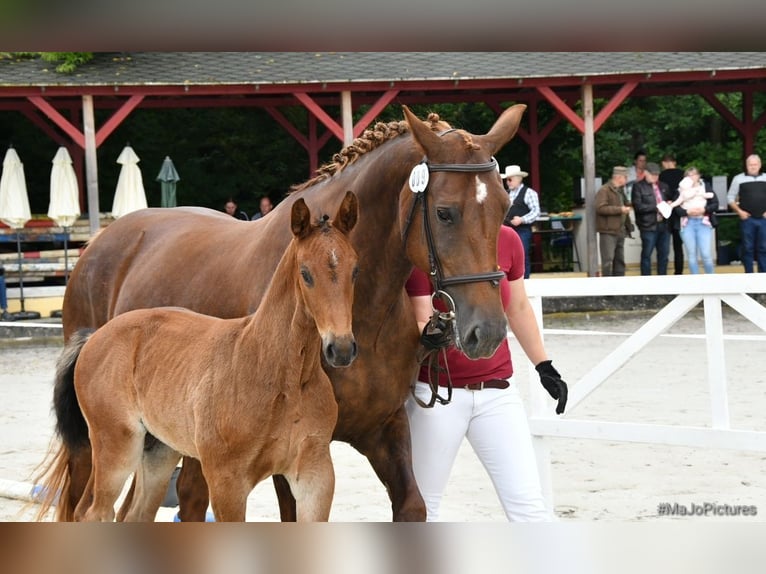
x,y
229,487
151,482
313,483
117,453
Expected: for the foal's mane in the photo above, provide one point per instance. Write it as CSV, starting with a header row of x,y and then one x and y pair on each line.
x,y
372,138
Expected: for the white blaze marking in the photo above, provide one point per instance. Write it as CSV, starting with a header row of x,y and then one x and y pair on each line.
x,y
481,190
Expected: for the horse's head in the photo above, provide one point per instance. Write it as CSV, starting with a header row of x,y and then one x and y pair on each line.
x,y
451,210
327,264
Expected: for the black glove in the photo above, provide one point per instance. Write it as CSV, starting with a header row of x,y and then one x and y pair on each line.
x,y
437,333
553,383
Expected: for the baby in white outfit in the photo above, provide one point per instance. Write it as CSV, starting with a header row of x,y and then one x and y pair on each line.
x,y
692,196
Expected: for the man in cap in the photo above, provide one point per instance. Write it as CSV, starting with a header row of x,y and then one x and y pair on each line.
x,y
613,222
647,197
524,210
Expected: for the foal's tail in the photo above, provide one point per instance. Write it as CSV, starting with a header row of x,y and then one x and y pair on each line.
x,y
54,477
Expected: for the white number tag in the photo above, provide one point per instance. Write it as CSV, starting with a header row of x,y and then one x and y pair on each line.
x,y
419,178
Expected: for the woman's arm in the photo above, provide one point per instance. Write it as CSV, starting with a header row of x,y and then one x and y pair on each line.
x,y
523,323
421,305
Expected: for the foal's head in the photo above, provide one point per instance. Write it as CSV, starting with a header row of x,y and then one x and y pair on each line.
x,y
327,264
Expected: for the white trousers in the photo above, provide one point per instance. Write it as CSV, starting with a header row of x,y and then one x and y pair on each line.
x,y
495,423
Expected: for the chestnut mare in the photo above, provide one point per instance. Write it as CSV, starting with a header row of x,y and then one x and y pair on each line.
x,y
246,397
211,263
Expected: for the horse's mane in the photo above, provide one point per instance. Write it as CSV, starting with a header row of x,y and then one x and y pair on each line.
x,y
370,139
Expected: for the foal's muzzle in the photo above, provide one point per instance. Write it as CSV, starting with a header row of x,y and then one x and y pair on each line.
x,y
339,351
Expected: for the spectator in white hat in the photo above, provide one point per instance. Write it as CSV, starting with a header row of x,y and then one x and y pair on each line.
x,y
524,210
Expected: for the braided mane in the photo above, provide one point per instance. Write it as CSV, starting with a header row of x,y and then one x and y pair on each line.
x,y
370,139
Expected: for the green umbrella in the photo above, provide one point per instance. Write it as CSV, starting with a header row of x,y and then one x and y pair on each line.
x,y
168,177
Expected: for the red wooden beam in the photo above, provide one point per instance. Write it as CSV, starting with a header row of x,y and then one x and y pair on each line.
x,y
562,107
44,126
724,111
373,112
289,127
52,113
320,114
117,118
612,105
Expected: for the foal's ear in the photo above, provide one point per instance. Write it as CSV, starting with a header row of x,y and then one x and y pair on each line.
x,y
345,220
300,221
424,136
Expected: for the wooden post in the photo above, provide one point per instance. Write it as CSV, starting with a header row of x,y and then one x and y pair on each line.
x,y
346,118
589,173
91,165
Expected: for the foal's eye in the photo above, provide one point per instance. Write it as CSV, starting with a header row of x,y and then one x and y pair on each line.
x,y
355,273
444,214
307,277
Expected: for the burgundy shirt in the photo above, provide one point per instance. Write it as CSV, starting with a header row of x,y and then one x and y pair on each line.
x,y
464,371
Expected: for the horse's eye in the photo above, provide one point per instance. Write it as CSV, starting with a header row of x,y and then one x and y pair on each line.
x,y
307,277
444,214
355,273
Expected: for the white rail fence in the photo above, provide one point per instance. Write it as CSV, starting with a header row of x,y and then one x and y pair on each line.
x,y
689,291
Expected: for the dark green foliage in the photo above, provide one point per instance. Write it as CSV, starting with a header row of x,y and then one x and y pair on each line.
x,y
68,61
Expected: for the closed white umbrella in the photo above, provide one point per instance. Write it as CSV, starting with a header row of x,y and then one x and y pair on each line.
x,y
64,207
14,202
15,212
130,194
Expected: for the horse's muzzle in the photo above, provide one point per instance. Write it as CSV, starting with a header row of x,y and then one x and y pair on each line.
x,y
339,351
480,339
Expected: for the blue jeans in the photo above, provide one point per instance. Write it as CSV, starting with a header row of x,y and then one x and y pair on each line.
x,y
754,243
525,234
696,237
658,238
3,294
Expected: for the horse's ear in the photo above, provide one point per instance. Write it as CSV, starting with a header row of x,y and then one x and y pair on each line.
x,y
424,136
503,130
345,219
300,221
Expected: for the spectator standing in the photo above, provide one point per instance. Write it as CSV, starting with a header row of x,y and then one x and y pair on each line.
x,y
636,172
5,316
232,209
648,195
265,207
697,221
524,210
747,197
672,175
613,222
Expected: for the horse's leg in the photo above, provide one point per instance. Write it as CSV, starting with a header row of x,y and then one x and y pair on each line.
x,y
313,483
389,451
287,512
192,490
80,471
151,482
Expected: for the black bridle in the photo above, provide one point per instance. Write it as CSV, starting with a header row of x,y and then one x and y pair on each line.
x,y
419,181
421,196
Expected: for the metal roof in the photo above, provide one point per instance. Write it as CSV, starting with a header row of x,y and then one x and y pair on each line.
x,y
277,68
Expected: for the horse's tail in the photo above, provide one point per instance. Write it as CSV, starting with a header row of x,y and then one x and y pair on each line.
x,y
54,478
